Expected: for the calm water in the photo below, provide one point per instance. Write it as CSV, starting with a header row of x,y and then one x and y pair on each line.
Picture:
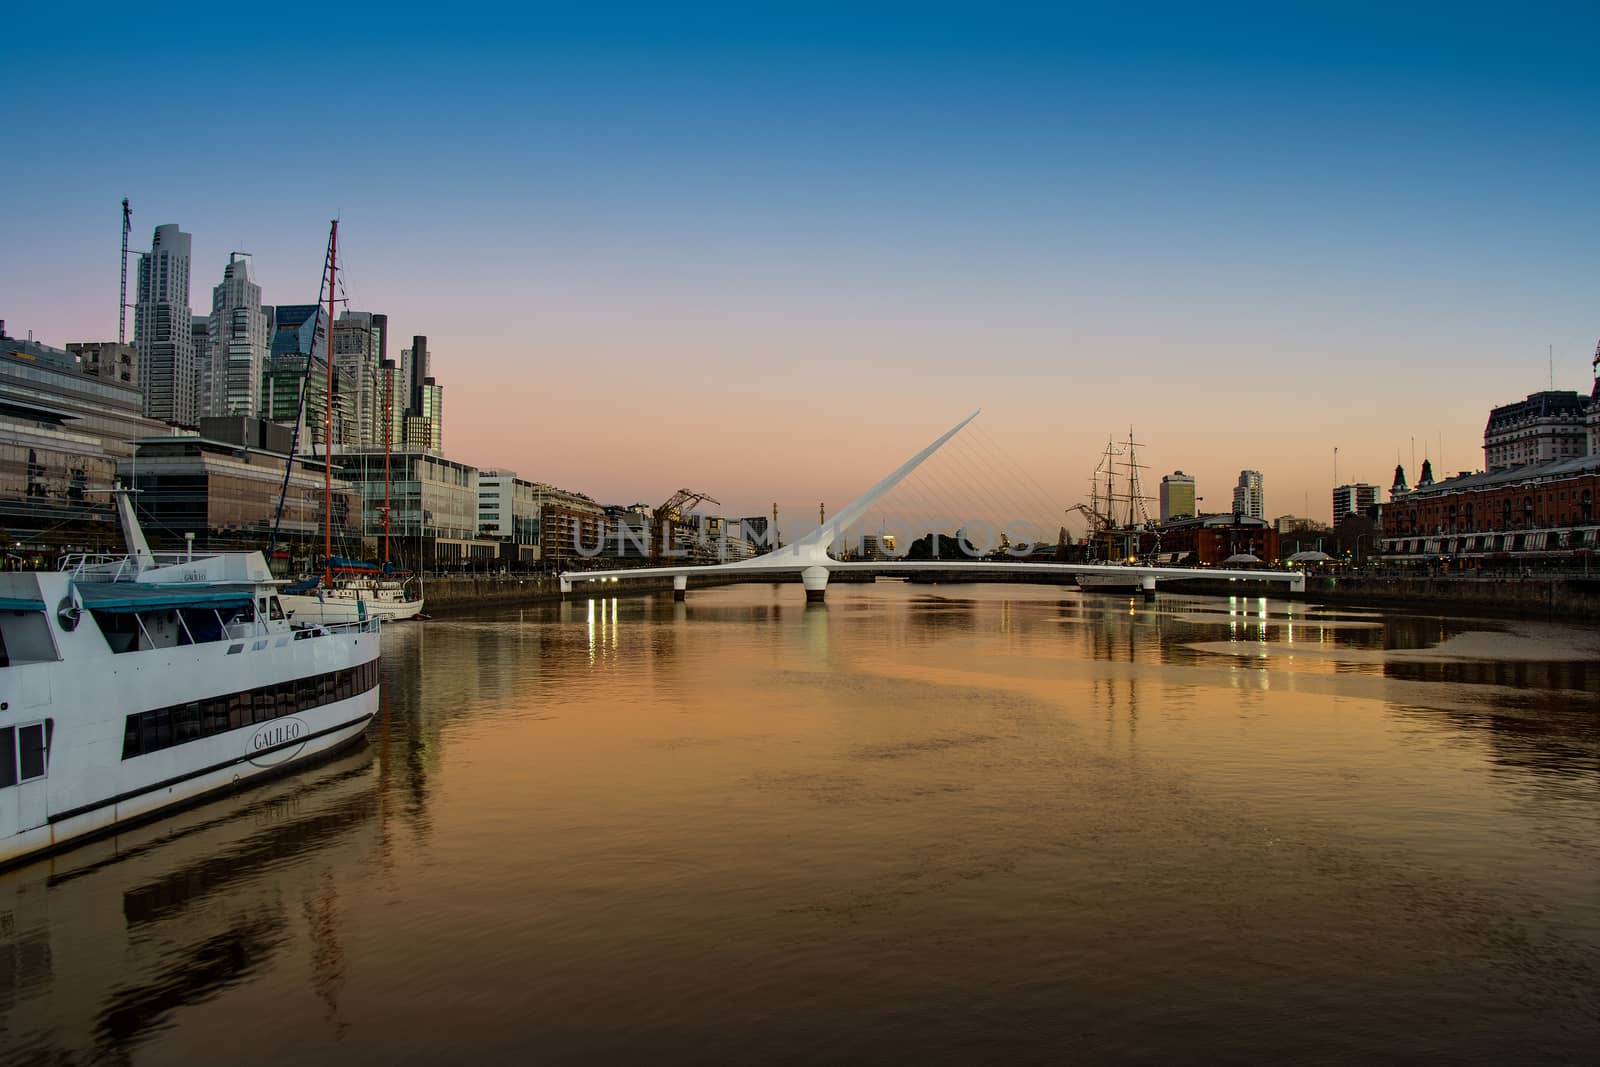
x,y
943,823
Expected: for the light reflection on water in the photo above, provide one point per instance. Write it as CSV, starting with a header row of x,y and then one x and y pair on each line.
x,y
943,822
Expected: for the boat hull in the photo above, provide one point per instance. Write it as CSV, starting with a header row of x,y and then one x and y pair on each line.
x,y
232,773
1107,583
337,608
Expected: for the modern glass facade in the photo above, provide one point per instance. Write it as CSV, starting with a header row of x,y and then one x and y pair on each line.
x,y
227,495
433,502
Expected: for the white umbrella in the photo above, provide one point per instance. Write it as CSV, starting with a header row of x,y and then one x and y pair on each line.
x,y
1312,556
1242,557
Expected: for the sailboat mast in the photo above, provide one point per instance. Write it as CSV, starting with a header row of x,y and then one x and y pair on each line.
x,y
327,417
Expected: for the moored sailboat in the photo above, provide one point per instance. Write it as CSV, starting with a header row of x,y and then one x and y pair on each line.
x,y
350,590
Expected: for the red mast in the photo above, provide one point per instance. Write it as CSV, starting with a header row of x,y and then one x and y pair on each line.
x,y
327,418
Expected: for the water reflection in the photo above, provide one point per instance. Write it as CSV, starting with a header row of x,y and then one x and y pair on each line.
x,y
953,822
113,940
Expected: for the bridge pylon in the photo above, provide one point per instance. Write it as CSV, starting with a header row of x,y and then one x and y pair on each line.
x,y
815,579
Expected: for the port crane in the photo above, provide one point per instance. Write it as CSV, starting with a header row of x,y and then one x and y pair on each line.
x,y
671,511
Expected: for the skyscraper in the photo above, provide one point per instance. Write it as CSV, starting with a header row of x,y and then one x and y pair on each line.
x,y
430,412
1249,498
1177,496
424,418
299,338
415,362
200,331
391,405
163,330
357,356
1357,499
238,330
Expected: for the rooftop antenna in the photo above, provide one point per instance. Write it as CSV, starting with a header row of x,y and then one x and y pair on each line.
x,y
1550,354
122,304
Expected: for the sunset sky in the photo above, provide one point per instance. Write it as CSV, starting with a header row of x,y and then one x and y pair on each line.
x,y
769,252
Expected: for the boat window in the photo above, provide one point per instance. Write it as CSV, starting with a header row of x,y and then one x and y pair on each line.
x,y
186,723
8,757
202,624
238,710
25,637
31,751
151,731
120,631
275,610
214,716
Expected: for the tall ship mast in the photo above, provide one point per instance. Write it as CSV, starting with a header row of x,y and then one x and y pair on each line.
x,y
349,589
1116,512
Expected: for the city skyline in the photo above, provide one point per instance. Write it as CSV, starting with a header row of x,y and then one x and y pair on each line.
x,y
673,250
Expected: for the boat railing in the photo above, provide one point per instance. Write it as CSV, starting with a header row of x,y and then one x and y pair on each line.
x,y
115,567
359,626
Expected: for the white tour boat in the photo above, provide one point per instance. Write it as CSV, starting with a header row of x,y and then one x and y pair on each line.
x,y
132,684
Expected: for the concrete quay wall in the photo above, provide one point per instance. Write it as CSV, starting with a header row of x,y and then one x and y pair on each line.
x,y
1572,598
1568,598
1575,599
462,594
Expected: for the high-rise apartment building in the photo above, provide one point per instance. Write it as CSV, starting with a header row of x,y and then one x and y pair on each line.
x,y
431,410
414,361
163,332
1357,499
1249,497
424,417
1177,496
358,357
391,405
239,330
200,330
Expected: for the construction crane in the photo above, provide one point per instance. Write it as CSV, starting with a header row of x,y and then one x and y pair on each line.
x,y
662,518
122,304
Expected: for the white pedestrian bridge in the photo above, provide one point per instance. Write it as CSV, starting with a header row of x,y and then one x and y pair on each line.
x,y
809,559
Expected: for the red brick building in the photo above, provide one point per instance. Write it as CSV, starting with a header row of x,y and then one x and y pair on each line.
x,y
1543,510
1210,539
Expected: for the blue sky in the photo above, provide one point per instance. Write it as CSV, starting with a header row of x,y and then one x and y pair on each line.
x,y
637,234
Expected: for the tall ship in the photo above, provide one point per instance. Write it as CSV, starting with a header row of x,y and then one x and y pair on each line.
x,y
132,684
348,590
1117,516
